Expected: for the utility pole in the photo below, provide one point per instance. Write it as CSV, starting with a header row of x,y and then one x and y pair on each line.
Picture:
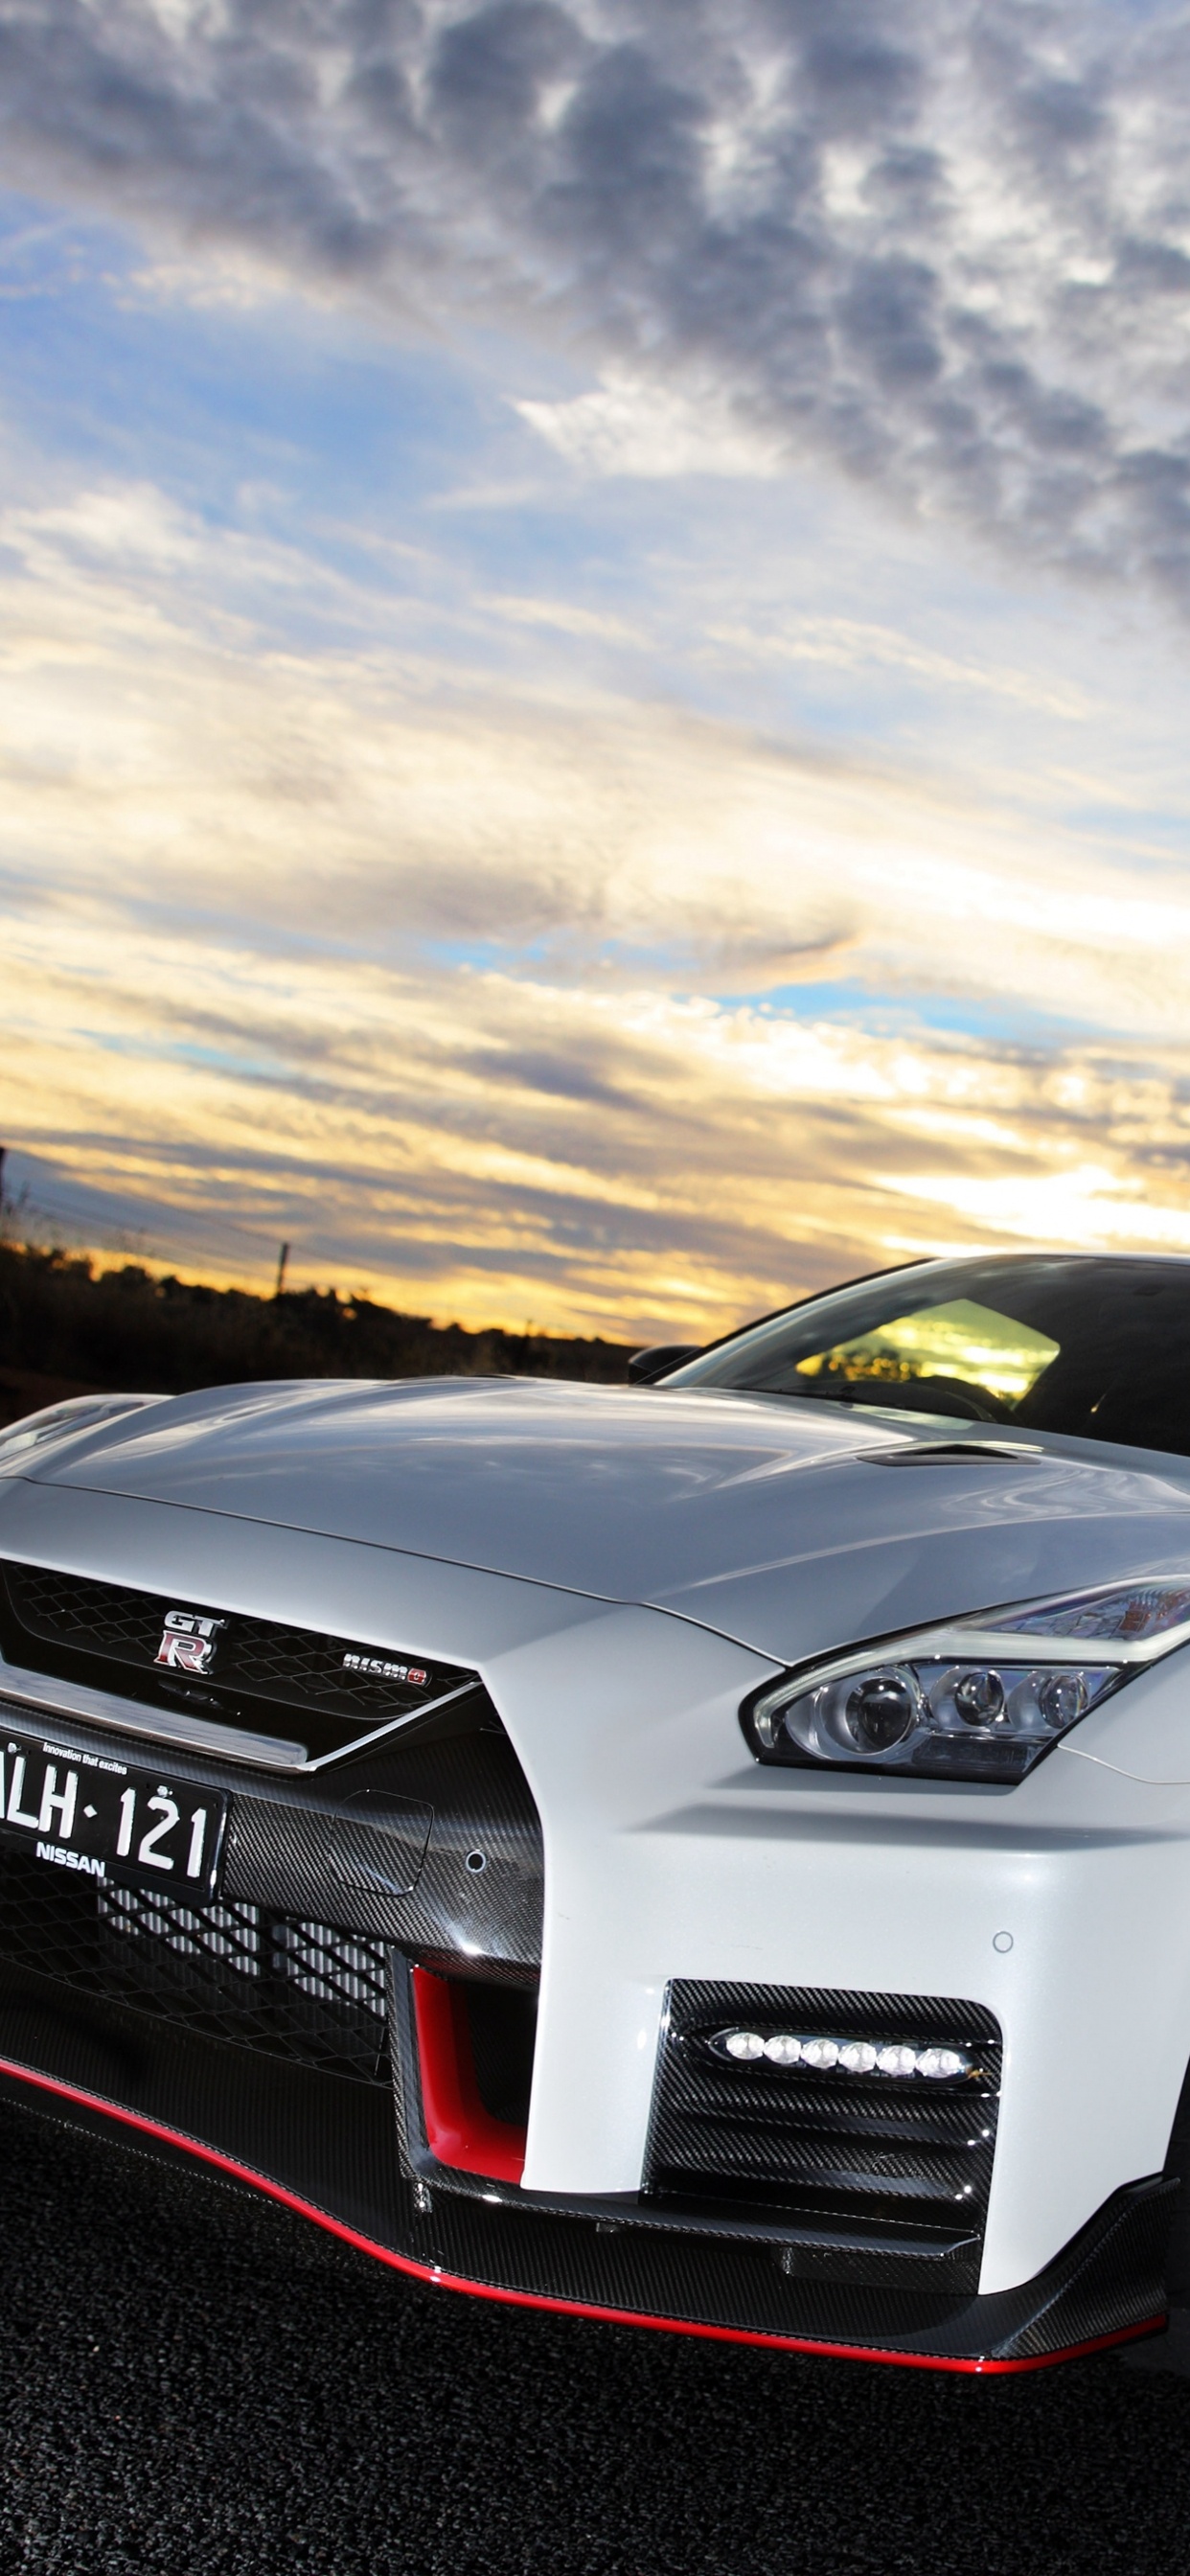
x,y
281,1269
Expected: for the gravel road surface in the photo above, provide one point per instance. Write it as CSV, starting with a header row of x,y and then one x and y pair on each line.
x,y
199,2383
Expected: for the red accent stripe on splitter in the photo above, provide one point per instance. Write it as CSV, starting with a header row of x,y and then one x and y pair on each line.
x,y
437,2279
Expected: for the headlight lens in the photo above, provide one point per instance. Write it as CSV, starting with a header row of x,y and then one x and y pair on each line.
x,y
963,1702
967,1721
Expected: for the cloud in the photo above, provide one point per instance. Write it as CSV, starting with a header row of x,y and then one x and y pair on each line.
x,y
148,727
853,644
629,1166
501,997
634,426
568,619
943,245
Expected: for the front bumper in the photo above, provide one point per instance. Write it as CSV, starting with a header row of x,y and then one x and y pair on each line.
x,y
312,2036
330,2151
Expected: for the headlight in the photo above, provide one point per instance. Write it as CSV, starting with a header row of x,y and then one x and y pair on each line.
x,y
970,1701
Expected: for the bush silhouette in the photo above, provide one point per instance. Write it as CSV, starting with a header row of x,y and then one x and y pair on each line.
x,y
65,1328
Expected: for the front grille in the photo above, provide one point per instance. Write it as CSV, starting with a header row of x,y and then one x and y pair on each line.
x,y
905,2160
335,1689
229,1934
233,1971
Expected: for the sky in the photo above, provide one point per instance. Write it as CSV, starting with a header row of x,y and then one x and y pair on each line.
x,y
595,623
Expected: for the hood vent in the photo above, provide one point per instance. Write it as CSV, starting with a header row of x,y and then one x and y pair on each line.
x,y
951,1453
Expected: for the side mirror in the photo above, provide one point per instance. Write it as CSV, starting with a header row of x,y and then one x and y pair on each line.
x,y
645,1367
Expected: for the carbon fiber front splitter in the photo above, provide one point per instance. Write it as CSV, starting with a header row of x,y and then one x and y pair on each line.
x,y
328,2147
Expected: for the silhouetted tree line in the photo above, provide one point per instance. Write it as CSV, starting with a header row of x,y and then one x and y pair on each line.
x,y
64,1329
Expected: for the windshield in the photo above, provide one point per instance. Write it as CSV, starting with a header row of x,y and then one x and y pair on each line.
x,y
1097,1349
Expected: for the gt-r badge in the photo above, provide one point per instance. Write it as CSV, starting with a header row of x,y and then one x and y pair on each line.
x,y
188,1643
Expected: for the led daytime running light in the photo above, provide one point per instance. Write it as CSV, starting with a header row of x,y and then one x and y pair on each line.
x,y
820,2055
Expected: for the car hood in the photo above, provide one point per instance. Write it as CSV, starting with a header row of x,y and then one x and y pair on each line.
x,y
789,1525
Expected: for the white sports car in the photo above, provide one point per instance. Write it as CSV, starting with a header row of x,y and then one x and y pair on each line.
x,y
715,1853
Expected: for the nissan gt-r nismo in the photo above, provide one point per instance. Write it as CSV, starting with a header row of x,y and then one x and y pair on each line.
x,y
713,1852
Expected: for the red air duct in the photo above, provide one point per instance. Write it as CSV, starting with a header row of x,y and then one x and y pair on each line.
x,y
459,2130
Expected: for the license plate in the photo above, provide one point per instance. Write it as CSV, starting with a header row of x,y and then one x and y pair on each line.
x,y
94,1816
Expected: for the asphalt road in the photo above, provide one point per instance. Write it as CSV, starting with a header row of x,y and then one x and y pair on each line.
x,y
195,2381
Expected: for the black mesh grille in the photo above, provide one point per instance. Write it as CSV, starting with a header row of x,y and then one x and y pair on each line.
x,y
335,1689
233,1971
96,1616
907,2157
